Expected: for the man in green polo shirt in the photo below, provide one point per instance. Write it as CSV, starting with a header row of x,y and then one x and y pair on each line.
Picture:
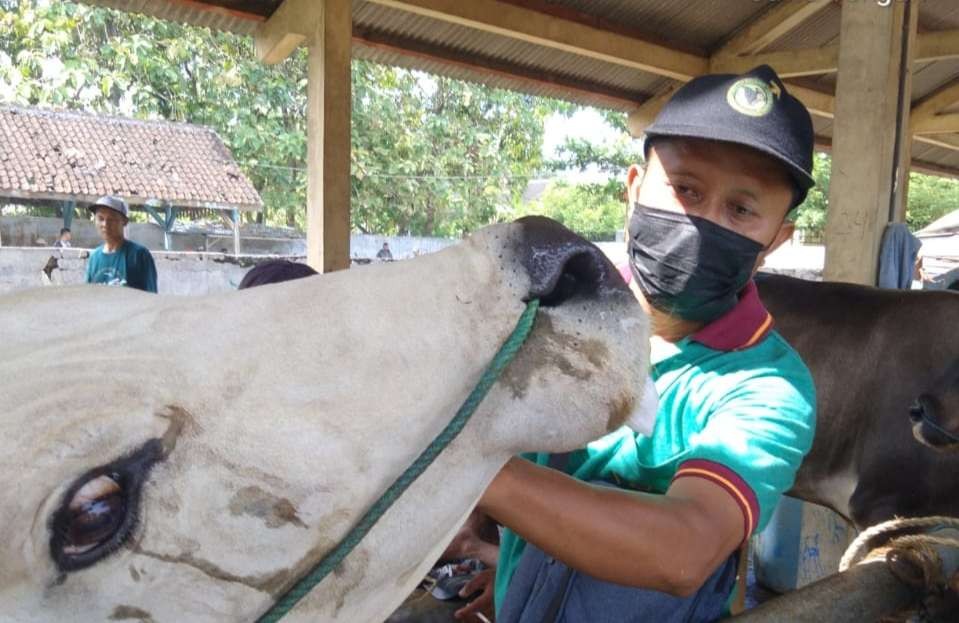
x,y
647,528
118,261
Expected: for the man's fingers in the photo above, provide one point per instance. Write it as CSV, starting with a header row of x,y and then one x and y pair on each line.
x,y
477,606
481,581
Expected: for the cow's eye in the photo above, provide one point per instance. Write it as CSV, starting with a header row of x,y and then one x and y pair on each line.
x,y
99,511
94,514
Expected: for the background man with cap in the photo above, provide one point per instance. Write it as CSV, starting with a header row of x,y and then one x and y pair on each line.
x,y
119,261
647,528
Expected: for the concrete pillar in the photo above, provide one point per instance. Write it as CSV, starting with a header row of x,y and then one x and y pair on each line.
x,y
903,164
328,138
235,219
865,153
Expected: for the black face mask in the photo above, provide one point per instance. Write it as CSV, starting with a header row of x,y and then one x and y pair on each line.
x,y
688,266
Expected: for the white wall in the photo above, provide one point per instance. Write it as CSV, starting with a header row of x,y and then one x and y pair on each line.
x,y
177,273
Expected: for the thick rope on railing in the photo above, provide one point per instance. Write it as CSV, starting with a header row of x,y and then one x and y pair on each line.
x,y
335,556
860,548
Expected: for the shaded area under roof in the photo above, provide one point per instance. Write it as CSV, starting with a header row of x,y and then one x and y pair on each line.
x,y
395,36
59,156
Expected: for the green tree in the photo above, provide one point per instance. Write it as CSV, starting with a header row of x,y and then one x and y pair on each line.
x,y
595,211
74,56
435,156
930,197
810,216
431,156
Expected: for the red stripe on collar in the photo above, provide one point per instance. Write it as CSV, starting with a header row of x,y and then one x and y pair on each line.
x,y
742,326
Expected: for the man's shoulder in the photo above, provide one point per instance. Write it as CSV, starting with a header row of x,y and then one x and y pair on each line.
x,y
135,247
137,251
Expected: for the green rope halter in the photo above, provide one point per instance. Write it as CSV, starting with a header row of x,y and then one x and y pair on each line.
x,y
305,584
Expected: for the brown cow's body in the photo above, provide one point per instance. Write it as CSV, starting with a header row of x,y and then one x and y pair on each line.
x,y
872,352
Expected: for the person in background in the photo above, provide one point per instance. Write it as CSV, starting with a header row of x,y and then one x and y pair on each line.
x,y
384,253
118,261
63,242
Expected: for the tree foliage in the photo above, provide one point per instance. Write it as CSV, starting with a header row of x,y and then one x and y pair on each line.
x,y
929,198
431,156
435,156
595,211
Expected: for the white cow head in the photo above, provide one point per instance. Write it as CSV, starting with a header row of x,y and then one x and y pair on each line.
x,y
187,459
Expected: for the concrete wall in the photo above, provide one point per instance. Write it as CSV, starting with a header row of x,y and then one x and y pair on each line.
x,y
177,273
30,231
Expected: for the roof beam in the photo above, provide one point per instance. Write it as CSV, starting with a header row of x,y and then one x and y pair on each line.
x,y
943,142
937,124
937,45
931,46
482,67
763,30
773,24
640,119
287,28
523,24
939,100
787,63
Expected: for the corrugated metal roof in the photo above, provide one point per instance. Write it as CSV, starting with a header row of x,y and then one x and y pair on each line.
x,y
488,57
820,29
208,14
396,37
938,14
694,25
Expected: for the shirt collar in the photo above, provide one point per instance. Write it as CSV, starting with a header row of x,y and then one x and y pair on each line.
x,y
746,324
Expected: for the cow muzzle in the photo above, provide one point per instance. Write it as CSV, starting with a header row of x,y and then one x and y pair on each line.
x,y
562,265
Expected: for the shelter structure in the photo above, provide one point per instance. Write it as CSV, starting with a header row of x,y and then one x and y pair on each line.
x,y
940,250
881,78
69,159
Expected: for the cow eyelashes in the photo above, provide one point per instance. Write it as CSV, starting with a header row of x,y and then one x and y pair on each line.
x,y
99,511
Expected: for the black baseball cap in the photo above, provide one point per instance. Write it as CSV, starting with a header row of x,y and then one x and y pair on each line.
x,y
752,109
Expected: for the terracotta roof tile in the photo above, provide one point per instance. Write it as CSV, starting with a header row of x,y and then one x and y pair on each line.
x,y
47,154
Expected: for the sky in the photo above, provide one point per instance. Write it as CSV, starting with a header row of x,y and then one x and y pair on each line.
x,y
585,123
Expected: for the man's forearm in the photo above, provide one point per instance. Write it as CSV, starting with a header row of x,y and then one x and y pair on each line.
x,y
630,538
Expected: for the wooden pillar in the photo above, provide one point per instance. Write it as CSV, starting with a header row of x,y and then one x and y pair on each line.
x,y
328,138
865,152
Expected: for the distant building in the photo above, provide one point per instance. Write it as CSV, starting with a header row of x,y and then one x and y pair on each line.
x,y
69,159
940,251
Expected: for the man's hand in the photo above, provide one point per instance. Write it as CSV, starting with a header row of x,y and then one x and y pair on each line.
x,y
483,603
477,538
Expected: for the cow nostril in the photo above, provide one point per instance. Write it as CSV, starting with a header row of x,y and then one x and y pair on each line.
x,y
581,275
916,412
562,265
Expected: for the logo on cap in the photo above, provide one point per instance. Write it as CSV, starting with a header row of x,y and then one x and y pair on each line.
x,y
750,96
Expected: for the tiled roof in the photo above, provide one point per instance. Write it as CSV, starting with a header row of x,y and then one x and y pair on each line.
x,y
80,156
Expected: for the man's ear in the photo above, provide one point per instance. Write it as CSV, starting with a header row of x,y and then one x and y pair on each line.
x,y
634,176
785,232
